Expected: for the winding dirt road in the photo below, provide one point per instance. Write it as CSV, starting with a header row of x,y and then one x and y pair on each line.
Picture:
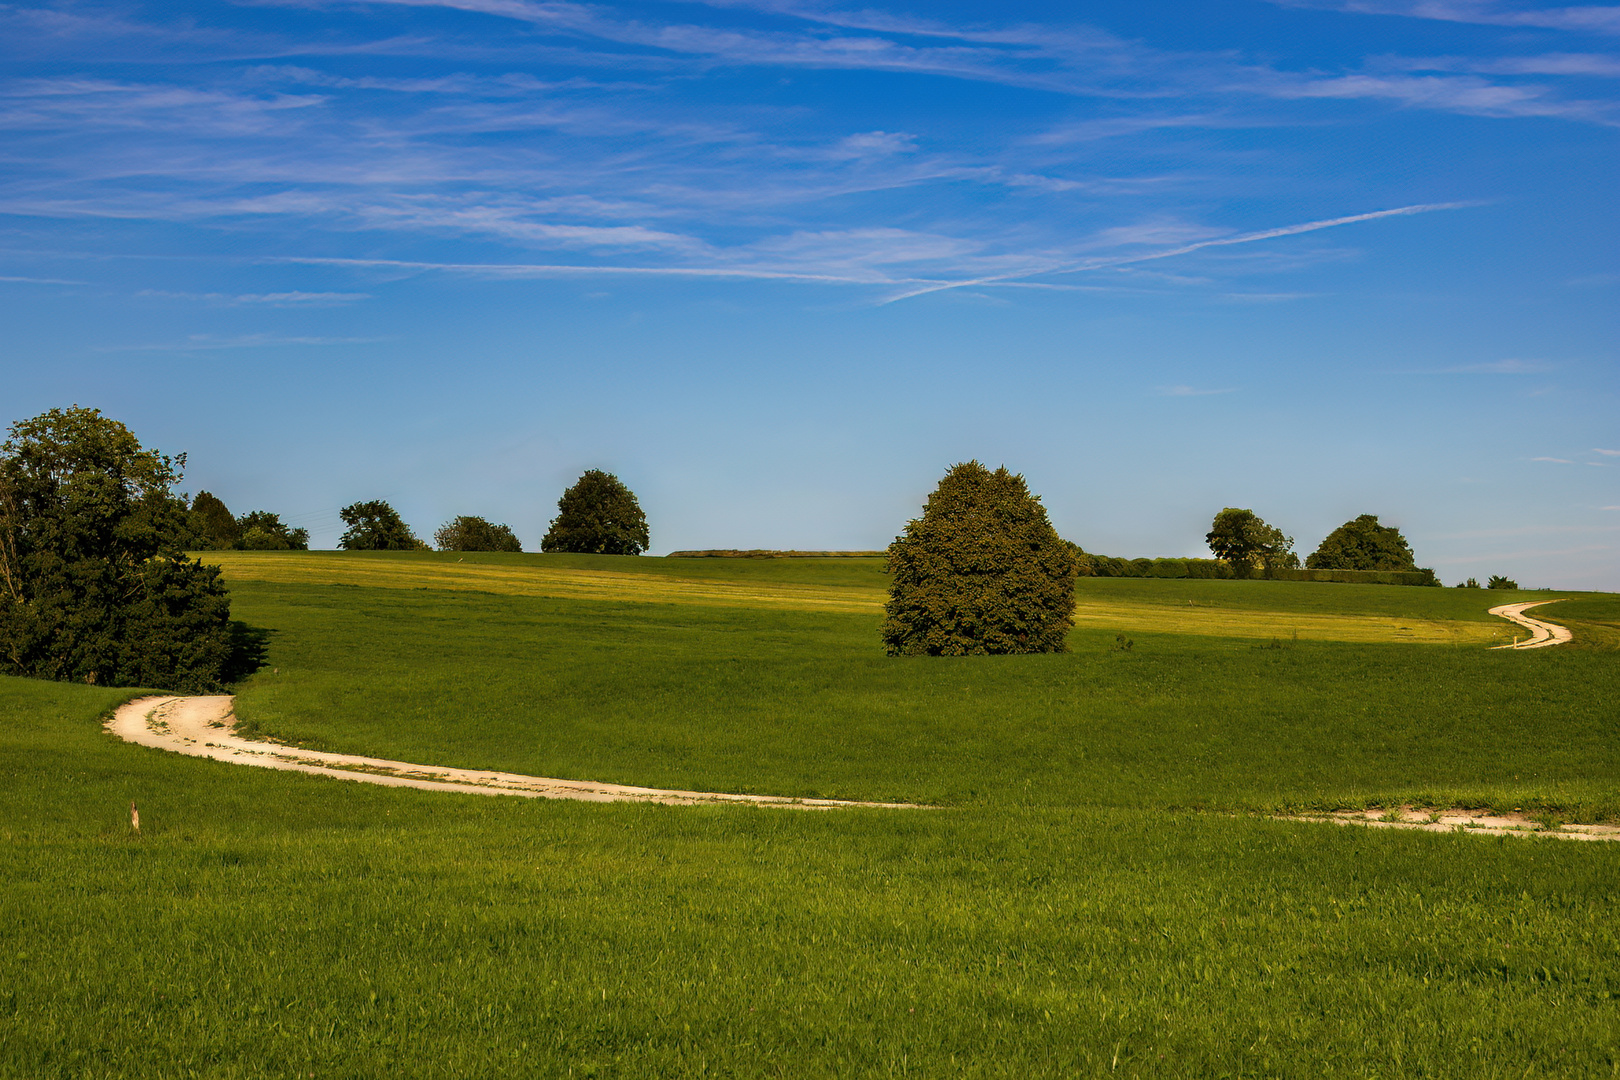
x,y
1542,634
201,727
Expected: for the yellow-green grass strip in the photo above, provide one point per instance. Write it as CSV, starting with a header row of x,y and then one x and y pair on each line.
x,y
565,583
1127,614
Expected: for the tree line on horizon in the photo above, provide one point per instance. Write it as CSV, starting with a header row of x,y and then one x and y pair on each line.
x,y
597,515
96,584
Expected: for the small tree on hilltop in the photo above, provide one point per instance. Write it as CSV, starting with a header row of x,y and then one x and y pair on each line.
x,y
213,527
475,534
981,571
376,526
1497,581
1363,544
94,585
1247,544
598,516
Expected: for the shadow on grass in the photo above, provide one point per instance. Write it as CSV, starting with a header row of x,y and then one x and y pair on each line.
x,y
250,645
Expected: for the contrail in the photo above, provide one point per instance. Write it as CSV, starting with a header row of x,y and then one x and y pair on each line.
x,y
1225,241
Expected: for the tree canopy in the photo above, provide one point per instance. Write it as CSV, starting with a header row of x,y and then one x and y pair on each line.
x,y
376,526
94,584
1363,544
981,571
598,516
475,534
1244,540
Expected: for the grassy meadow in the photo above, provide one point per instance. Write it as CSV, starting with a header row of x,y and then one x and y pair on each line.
x,y
1098,889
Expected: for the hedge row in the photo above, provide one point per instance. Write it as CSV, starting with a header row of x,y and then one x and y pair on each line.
x,y
766,553
1364,577
1108,566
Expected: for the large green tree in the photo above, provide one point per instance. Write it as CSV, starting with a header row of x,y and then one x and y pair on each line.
x,y
94,585
1363,544
981,571
376,526
475,534
598,516
1247,544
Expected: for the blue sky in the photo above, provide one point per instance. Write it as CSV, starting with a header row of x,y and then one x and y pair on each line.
x,y
779,264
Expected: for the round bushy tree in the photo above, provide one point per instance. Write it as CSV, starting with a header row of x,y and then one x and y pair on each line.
x,y
1363,544
376,526
982,571
475,534
598,516
94,585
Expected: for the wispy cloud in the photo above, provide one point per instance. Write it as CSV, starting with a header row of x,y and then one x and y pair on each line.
x,y
209,342
281,299
1494,367
1554,460
1600,19
1606,453
22,280
1192,391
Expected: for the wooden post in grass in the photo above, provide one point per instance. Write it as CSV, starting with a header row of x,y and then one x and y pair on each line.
x,y
134,818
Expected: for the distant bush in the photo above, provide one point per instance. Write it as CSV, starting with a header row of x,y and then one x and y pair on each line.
x,y
1469,584
475,534
1242,539
214,529
264,531
1497,581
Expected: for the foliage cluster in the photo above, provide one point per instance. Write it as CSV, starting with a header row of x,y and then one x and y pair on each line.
x,y
981,571
94,583
475,534
214,529
376,526
598,516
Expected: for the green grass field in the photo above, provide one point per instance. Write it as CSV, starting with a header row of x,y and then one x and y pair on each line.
x,y
1098,892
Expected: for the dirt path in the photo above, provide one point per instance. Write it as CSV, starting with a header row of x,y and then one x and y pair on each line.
x,y
1542,634
201,727
1408,817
